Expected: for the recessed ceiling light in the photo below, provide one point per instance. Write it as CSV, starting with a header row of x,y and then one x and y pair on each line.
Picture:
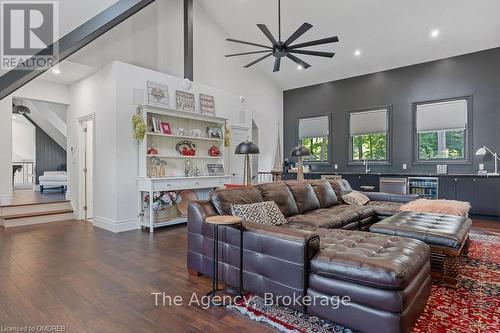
x,y
357,53
434,33
14,117
56,71
299,67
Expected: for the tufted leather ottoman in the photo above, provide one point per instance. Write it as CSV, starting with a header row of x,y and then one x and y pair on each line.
x,y
447,236
386,278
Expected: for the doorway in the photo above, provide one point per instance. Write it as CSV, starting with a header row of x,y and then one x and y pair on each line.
x,y
86,167
238,135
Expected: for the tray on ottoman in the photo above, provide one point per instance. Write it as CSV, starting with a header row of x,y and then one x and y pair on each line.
x,y
447,236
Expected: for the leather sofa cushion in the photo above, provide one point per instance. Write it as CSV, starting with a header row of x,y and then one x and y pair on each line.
x,y
281,195
304,195
434,229
334,217
385,208
340,186
324,192
222,199
387,262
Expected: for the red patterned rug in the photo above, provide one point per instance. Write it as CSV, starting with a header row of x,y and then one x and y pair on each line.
x,y
473,307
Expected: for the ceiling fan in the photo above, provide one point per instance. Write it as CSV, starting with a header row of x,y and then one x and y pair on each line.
x,y
280,49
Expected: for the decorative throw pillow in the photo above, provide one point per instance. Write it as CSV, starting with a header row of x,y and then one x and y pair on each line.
x,y
261,212
355,198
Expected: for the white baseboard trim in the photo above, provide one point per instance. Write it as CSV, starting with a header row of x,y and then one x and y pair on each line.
x,y
5,199
115,226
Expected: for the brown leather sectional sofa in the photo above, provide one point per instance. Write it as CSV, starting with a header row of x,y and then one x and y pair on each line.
x,y
322,252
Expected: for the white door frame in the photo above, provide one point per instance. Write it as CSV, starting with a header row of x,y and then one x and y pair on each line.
x,y
231,154
81,158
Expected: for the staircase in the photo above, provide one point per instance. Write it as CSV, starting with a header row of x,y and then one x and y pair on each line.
x,y
16,215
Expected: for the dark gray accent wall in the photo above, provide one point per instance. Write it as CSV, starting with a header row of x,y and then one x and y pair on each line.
x,y
49,156
475,74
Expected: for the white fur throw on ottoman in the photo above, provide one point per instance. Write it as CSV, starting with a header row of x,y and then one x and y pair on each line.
x,y
448,207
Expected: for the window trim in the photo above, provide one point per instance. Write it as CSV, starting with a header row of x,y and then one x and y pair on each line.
x,y
467,160
388,160
330,136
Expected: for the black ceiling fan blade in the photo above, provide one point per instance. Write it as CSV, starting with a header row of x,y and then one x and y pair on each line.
x,y
328,40
260,59
244,53
248,43
299,32
277,63
268,34
299,62
314,53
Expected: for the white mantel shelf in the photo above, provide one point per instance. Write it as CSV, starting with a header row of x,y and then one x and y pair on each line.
x,y
185,156
184,137
146,184
183,114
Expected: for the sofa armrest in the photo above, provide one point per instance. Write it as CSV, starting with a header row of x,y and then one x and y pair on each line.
x,y
301,245
382,196
277,260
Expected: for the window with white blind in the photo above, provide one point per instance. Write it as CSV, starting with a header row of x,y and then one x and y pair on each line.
x,y
368,132
314,134
441,130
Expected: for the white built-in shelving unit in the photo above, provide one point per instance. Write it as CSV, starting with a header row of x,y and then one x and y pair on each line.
x,y
175,178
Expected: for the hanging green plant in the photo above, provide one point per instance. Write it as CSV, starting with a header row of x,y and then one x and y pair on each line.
x,y
138,125
227,135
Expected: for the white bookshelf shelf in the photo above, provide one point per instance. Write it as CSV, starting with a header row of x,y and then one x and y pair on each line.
x,y
162,111
173,136
182,156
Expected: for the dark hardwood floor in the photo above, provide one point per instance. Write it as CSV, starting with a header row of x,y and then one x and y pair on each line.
x,y
90,280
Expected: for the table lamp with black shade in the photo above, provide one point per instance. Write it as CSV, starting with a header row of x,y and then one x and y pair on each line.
x,y
300,152
247,148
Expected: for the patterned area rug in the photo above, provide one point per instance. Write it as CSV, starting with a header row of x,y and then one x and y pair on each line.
x,y
473,307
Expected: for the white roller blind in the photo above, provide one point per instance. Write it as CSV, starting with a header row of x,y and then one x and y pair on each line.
x,y
450,115
368,122
317,127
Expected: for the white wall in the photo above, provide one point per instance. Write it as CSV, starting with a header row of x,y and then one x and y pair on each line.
x,y
152,38
5,149
109,95
95,95
265,98
23,139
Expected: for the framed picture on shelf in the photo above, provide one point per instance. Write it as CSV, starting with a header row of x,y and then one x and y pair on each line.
x,y
165,128
158,94
215,169
207,104
214,132
184,101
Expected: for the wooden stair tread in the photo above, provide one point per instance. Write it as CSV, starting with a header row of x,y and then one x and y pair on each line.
x,y
24,215
33,203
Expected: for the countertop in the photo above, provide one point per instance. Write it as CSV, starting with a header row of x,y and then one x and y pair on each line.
x,y
396,174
